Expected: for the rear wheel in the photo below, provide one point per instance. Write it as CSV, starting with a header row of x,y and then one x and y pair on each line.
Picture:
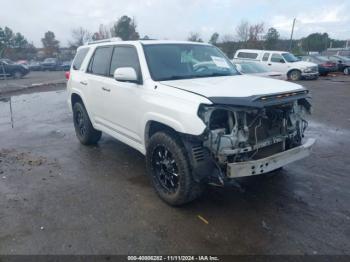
x,y
294,75
170,170
84,130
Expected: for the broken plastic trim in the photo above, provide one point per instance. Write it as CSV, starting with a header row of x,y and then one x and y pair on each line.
x,y
261,101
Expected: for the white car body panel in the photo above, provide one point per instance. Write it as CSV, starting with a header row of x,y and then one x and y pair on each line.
x,y
125,111
233,86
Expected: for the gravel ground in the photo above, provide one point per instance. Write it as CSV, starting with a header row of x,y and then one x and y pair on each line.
x,y
33,79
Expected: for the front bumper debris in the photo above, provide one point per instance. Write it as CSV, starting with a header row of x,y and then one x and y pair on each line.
x,y
310,75
268,164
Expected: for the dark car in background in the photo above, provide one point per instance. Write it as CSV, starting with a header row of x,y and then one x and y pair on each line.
x,y
65,66
325,66
11,69
34,66
50,64
343,63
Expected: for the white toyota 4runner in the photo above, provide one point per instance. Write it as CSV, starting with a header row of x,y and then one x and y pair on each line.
x,y
185,107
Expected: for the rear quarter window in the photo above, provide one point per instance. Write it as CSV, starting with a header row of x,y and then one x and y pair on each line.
x,y
79,58
247,55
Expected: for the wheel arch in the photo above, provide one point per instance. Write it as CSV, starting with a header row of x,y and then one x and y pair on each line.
x,y
293,69
154,126
78,97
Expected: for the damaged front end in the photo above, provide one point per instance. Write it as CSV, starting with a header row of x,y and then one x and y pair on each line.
x,y
252,138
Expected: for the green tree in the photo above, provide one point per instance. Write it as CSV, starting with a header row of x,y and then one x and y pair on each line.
x,y
19,41
271,39
51,45
214,38
14,45
125,28
316,42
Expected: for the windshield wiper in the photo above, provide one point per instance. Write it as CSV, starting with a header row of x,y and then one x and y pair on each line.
x,y
213,75
176,77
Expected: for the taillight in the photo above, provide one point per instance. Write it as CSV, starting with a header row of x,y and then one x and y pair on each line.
x,y
67,74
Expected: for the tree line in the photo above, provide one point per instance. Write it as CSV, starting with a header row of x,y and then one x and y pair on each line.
x,y
246,35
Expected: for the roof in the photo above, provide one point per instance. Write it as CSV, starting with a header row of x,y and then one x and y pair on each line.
x,y
113,41
260,51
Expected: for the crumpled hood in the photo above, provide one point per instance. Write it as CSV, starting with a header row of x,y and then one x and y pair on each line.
x,y
233,86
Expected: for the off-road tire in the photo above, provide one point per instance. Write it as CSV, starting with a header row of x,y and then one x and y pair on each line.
x,y
84,130
188,189
294,75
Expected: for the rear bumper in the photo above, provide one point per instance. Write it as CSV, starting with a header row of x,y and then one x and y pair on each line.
x,y
268,164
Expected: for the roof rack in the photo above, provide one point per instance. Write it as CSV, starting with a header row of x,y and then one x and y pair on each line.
x,y
113,39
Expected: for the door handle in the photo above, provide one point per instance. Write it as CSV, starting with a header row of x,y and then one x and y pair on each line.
x,y
106,89
83,83
269,64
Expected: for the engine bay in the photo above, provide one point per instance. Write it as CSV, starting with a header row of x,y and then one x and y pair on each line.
x,y
236,134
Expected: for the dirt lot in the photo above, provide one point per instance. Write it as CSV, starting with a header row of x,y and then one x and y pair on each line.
x,y
32,79
59,197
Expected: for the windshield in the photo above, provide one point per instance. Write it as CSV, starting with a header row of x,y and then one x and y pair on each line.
x,y
322,58
290,57
50,60
7,61
251,68
344,58
183,61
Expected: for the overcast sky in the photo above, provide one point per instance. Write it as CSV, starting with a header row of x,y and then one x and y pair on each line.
x,y
174,19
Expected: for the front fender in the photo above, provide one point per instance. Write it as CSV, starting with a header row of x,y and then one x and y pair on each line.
x,y
194,126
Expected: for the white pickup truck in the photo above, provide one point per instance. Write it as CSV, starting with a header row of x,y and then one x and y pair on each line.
x,y
280,61
186,108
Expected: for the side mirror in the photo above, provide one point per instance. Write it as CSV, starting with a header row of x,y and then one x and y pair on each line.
x,y
282,61
340,61
126,74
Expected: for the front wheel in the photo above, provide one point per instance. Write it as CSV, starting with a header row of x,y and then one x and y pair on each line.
x,y
84,130
294,75
170,170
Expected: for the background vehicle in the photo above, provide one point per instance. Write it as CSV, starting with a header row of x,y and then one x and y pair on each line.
x,y
34,66
342,62
325,66
282,62
50,64
257,69
11,69
187,109
65,66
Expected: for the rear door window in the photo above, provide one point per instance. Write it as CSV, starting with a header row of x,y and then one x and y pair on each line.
x,y
79,58
266,57
99,63
247,55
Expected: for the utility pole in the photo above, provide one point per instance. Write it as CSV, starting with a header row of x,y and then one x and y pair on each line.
x,y
291,36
